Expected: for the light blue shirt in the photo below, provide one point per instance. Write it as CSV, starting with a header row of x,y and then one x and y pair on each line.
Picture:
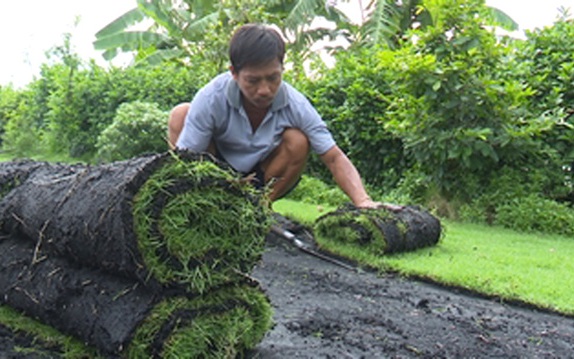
x,y
216,113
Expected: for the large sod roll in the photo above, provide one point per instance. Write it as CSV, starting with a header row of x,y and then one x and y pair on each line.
x,y
177,219
380,231
121,317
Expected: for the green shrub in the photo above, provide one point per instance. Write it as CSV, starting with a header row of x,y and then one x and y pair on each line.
x,y
354,99
71,102
502,190
9,101
20,137
547,54
536,214
138,128
21,118
517,199
315,191
83,104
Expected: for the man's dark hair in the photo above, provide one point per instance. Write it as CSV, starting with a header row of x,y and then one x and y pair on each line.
x,y
253,45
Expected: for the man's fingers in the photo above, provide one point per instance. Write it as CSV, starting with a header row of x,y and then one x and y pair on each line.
x,y
392,207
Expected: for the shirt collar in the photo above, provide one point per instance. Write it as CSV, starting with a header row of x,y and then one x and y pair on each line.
x,y
234,95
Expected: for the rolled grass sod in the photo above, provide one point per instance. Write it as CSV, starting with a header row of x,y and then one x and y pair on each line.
x,y
379,231
144,258
120,317
174,219
213,224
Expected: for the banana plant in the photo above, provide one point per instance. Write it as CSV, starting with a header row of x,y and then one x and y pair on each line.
x,y
307,22
167,29
160,30
180,30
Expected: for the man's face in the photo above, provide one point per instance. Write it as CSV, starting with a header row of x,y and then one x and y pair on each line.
x,y
259,84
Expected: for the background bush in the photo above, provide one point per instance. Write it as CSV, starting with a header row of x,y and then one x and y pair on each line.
x,y
536,214
138,128
67,108
353,99
547,55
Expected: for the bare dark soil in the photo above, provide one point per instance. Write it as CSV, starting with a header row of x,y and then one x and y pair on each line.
x,y
325,311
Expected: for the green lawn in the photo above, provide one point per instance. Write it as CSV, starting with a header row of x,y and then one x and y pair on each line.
x,y
531,268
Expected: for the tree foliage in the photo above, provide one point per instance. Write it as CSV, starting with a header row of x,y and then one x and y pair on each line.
x,y
442,115
19,130
194,31
167,37
354,99
463,117
389,22
546,63
71,103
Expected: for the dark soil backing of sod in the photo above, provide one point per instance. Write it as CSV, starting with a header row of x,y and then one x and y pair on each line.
x,y
16,344
121,317
100,309
380,230
86,213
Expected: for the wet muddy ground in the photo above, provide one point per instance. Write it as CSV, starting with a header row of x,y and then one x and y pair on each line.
x,y
324,311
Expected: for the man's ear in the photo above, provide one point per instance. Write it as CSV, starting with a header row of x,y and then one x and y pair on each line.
x,y
233,72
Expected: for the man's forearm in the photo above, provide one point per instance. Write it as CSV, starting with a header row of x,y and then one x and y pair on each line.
x,y
349,180
346,176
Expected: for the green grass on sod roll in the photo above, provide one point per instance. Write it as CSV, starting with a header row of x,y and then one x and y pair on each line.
x,y
378,231
34,338
205,217
219,324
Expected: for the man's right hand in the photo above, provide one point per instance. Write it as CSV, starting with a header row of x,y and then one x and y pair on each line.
x,y
392,207
368,203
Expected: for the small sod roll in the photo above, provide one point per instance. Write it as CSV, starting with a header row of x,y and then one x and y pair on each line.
x,y
380,231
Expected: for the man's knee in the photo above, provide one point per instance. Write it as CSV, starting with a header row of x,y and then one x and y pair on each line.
x,y
175,122
287,162
292,152
295,142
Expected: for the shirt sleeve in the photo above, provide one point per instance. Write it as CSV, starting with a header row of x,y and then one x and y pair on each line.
x,y
199,123
311,123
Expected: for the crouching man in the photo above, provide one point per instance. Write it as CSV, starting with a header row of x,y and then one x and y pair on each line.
x,y
260,125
